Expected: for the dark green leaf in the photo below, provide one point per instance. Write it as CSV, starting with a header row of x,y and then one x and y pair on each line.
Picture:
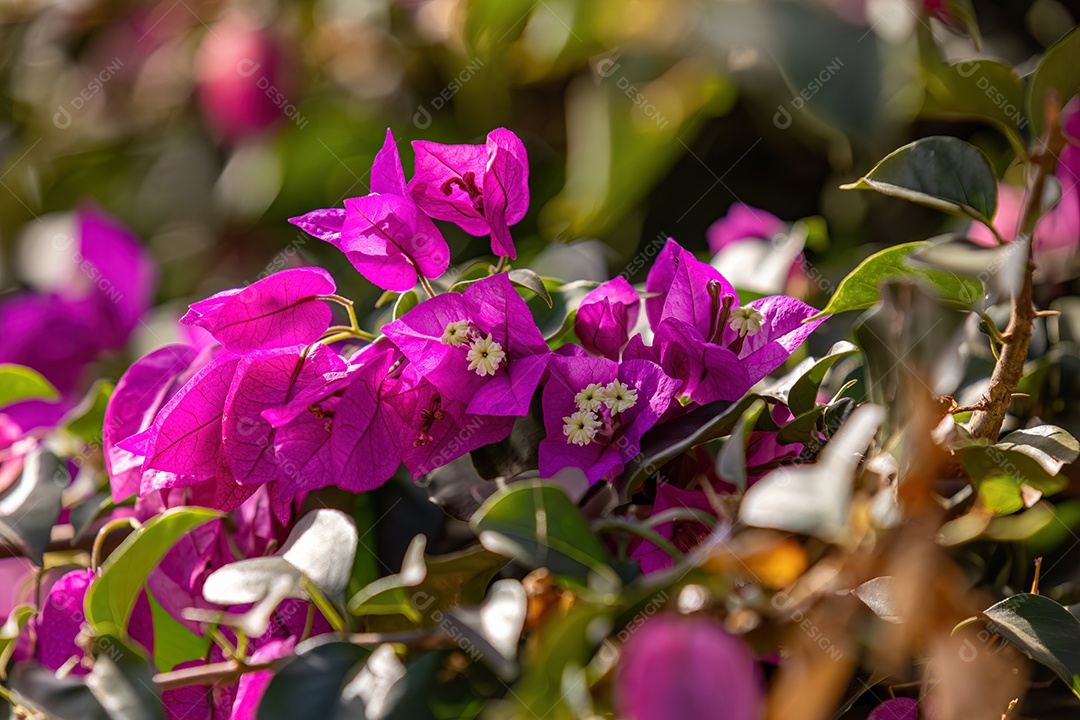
x,y
668,440
86,419
801,426
537,524
1059,70
941,172
731,462
979,89
1044,630
518,452
426,584
310,685
803,394
123,681
861,289
29,511
123,574
62,698
551,319
18,383
530,281
960,15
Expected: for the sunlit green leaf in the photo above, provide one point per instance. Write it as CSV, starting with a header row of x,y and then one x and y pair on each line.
x,y
861,289
112,596
537,524
18,383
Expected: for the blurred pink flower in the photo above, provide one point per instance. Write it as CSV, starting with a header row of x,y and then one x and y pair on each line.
x,y
1057,234
242,80
687,667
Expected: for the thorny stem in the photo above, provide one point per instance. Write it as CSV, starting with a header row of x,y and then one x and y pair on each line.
x,y
1009,369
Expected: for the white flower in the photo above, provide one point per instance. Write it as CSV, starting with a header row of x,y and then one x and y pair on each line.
x,y
580,428
746,321
618,396
590,398
485,356
456,333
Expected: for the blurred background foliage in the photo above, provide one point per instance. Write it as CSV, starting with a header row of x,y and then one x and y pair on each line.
x,y
205,125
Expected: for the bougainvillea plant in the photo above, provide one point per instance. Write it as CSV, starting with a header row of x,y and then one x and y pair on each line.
x,y
659,505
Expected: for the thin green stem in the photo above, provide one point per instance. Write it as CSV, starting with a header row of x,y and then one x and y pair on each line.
x,y
99,541
325,606
643,532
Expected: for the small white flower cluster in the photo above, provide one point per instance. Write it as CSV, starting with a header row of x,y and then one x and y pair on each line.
x,y
746,321
581,427
485,355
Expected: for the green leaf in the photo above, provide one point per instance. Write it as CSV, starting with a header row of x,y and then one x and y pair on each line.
x,y
18,383
429,583
174,642
861,289
387,296
567,641
123,681
537,524
982,460
731,462
803,394
529,280
1000,494
668,440
1043,629
110,599
67,698
405,302
30,509
981,90
961,16
9,634
310,684
551,317
801,426
86,419
941,172
1048,445
1059,70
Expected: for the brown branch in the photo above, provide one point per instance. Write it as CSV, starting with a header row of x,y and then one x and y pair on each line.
x,y
986,422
